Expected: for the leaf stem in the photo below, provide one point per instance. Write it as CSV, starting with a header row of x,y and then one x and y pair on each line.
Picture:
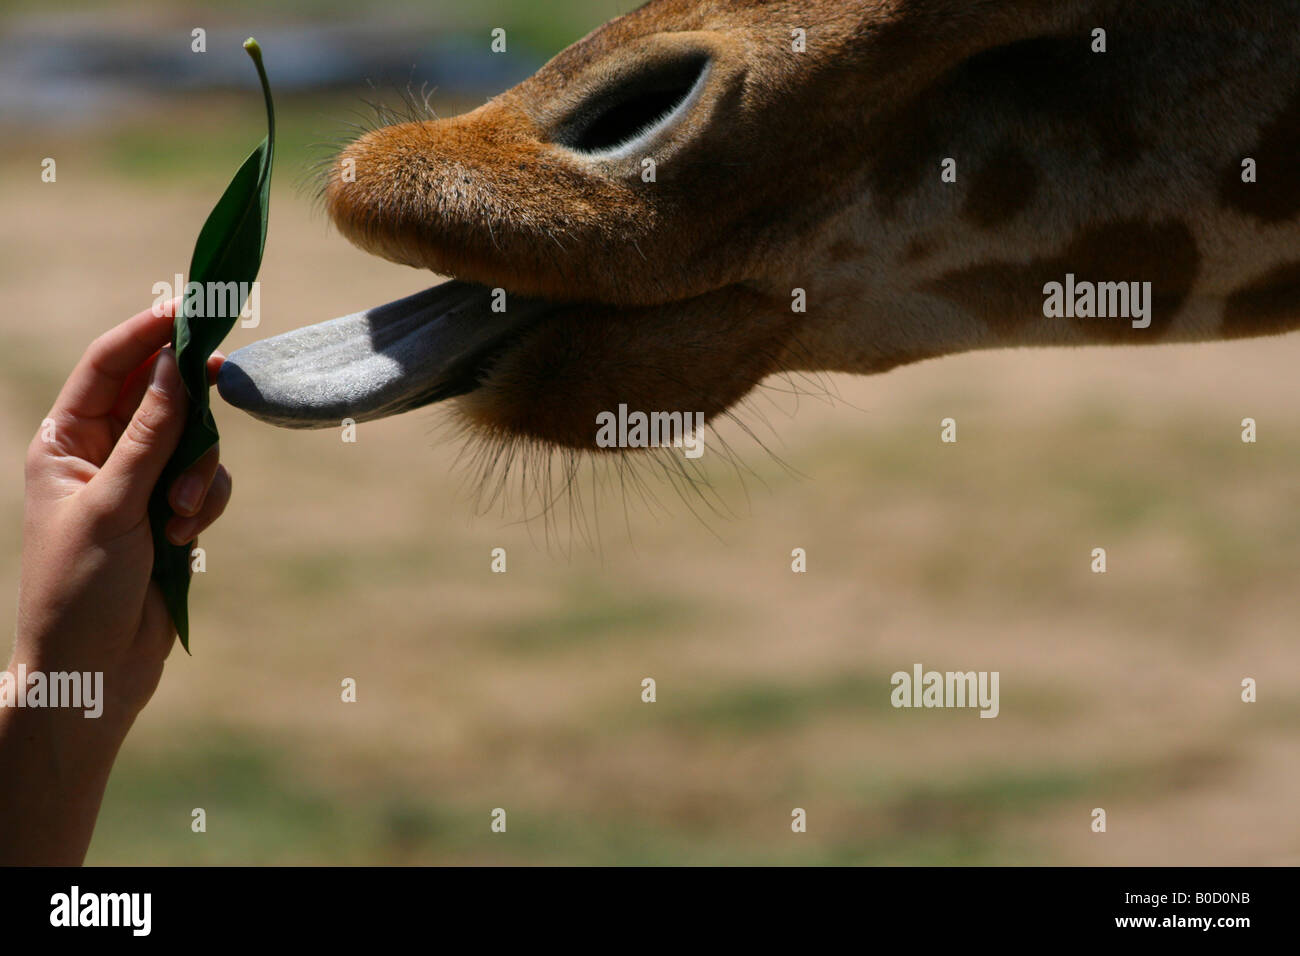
x,y
254,50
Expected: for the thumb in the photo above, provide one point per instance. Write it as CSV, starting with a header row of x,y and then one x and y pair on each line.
x,y
138,459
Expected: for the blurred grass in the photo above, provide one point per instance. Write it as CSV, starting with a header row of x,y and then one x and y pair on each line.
x,y
261,809
590,612
204,145
265,805
545,27
214,132
765,706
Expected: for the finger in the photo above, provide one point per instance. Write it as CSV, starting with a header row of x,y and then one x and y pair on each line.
x,y
188,491
128,399
138,381
94,385
183,530
138,458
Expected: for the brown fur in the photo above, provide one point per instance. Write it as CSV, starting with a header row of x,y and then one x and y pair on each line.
x,y
1009,295
1276,197
1266,306
1003,188
820,171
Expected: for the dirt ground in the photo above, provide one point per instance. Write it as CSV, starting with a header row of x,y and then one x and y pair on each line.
x,y
523,690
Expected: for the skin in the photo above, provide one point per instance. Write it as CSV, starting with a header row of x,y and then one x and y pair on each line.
x,y
86,601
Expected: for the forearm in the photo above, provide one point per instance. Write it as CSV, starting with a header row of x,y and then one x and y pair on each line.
x,y
54,766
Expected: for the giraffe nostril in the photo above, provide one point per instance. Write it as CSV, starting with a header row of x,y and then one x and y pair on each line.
x,y
633,107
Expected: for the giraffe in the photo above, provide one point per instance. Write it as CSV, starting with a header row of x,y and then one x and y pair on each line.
x,y
634,222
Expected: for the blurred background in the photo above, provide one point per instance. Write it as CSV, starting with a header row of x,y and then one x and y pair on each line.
x,y
522,690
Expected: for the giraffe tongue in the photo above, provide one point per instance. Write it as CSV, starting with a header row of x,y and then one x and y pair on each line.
x,y
390,359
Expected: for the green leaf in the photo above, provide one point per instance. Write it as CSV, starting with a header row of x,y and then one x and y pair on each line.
x,y
229,249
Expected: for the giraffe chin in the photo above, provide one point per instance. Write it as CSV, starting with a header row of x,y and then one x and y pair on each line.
x,y
383,361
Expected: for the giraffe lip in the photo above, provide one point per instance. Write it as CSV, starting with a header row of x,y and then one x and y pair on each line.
x,y
425,348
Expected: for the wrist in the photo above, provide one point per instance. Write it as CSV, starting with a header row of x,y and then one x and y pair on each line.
x,y
69,710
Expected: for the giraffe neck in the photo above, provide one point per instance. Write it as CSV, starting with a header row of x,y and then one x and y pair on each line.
x,y
1079,167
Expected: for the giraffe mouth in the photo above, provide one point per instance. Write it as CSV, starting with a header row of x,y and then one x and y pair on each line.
x,y
425,348
544,192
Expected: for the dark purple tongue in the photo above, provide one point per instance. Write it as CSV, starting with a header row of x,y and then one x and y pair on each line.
x,y
386,360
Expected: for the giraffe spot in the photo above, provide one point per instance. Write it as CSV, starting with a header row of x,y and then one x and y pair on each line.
x,y
1009,295
844,251
910,146
1001,188
1268,306
918,249
1061,77
1275,196
1046,80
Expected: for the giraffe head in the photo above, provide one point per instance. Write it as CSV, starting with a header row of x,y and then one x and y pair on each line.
x,y
630,225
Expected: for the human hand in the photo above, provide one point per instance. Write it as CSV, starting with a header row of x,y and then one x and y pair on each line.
x,y
86,599
87,602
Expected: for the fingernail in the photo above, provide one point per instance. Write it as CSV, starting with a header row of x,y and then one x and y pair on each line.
x,y
189,489
182,532
165,374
